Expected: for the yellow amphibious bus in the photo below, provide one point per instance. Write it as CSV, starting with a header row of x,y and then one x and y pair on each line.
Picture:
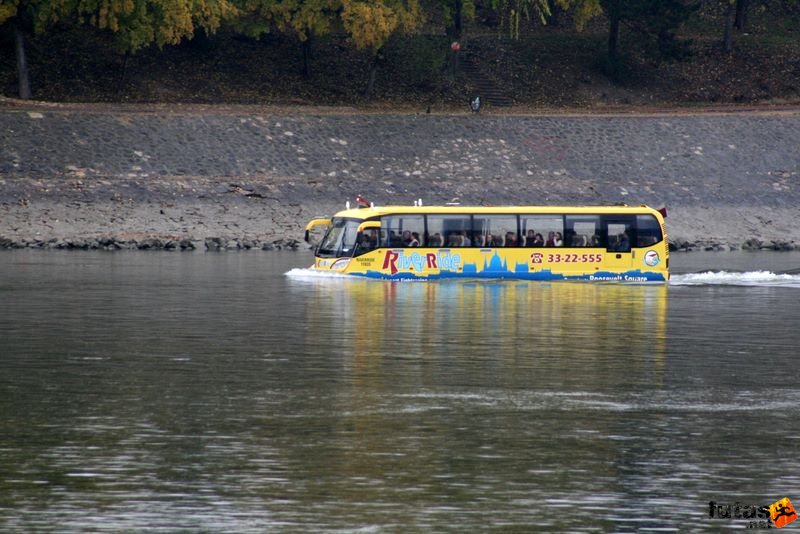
x,y
597,243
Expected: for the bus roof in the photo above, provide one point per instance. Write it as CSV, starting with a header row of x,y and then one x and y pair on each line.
x,y
377,211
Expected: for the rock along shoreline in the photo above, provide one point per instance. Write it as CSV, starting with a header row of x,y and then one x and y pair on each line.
x,y
215,178
217,244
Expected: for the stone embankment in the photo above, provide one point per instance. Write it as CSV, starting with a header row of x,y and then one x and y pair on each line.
x,y
249,178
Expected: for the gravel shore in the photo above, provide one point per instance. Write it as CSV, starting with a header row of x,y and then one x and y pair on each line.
x,y
204,178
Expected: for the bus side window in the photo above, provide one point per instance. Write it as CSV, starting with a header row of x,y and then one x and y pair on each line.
x,y
545,230
455,229
580,229
495,230
399,230
619,231
648,231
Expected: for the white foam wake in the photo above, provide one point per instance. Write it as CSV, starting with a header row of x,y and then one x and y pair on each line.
x,y
313,274
726,278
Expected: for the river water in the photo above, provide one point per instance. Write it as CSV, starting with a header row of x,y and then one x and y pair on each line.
x,y
237,392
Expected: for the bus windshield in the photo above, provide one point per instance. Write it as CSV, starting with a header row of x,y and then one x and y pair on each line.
x,y
340,239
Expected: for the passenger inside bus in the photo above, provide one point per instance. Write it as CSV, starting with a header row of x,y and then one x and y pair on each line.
x,y
410,239
529,238
494,240
394,239
623,244
365,242
579,240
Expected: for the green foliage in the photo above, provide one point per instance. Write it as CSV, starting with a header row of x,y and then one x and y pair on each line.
x,y
513,12
450,7
369,23
135,23
8,9
454,12
584,11
140,23
41,13
302,18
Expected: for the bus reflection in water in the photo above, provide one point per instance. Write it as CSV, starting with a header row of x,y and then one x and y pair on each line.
x,y
516,322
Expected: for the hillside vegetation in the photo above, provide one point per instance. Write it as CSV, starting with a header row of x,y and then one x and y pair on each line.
x,y
539,66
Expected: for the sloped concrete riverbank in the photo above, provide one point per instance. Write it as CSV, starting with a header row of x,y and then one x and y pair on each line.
x,y
210,178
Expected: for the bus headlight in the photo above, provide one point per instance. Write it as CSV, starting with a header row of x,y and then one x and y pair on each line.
x,y
340,264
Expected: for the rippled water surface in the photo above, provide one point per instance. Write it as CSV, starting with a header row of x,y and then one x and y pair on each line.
x,y
216,393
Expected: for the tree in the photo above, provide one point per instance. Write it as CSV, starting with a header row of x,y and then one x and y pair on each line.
x,y
454,13
25,16
512,12
135,23
653,22
140,23
305,19
584,11
741,15
370,23
730,22
23,79
614,10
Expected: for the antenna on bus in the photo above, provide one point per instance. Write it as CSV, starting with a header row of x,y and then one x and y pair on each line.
x,y
419,202
347,205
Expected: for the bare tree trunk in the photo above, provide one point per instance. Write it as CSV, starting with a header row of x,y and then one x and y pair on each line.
x,y
373,69
730,18
22,64
456,24
741,15
122,74
307,53
613,37
554,19
370,80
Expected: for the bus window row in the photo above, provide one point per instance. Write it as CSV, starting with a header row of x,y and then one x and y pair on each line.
x,y
614,233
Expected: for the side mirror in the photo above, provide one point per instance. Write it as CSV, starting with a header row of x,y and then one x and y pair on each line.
x,y
313,223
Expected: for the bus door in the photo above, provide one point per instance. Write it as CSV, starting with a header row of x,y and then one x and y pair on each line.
x,y
618,237
583,248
